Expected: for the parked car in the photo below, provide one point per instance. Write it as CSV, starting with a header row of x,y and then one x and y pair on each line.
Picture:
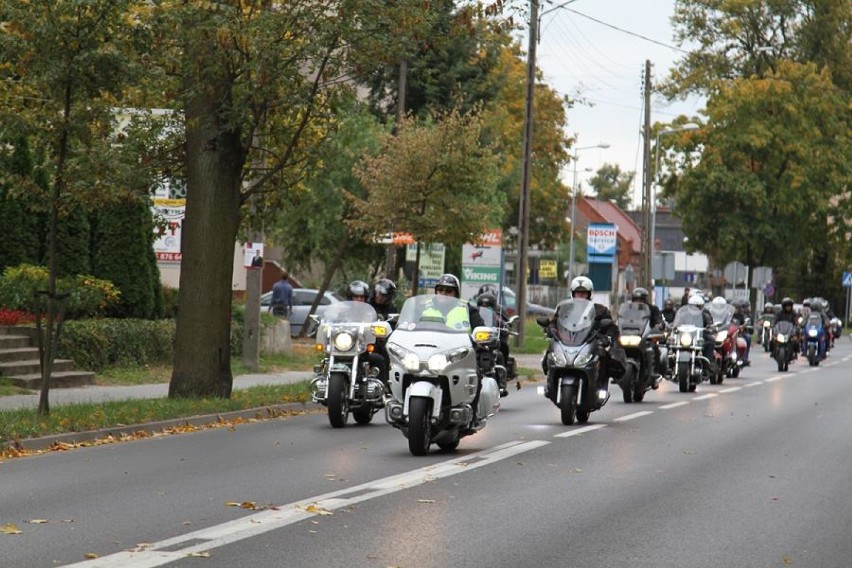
x,y
510,303
303,299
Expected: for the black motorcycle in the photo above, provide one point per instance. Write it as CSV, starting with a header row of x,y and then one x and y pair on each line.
x,y
505,368
783,337
575,360
638,341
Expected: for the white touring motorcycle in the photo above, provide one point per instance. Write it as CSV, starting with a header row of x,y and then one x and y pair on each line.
x,y
439,393
349,378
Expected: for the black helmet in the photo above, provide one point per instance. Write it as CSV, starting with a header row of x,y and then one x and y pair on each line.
x,y
487,289
386,288
640,295
448,281
787,302
357,288
669,303
487,300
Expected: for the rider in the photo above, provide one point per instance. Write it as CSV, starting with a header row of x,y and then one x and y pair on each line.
x,y
489,300
381,297
668,312
448,285
742,319
641,295
582,288
357,291
697,300
787,313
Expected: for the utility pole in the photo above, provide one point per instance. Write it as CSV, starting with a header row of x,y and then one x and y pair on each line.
x,y
524,208
647,194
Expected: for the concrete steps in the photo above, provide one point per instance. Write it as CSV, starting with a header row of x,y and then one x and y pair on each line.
x,y
19,362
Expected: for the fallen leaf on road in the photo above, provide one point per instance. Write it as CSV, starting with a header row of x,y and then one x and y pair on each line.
x,y
91,555
251,505
199,554
787,559
37,521
9,529
317,510
425,500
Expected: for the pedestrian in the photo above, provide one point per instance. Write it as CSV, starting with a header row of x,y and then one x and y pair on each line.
x,y
685,298
282,296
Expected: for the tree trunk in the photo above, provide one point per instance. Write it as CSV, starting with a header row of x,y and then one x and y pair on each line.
x,y
215,159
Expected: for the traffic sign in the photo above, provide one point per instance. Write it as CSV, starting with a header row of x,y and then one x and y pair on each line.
x,y
847,279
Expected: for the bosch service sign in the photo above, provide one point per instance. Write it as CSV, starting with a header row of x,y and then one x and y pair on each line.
x,y
601,239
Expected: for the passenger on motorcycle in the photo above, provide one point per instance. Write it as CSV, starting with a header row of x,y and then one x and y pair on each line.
x,y
381,297
357,291
616,359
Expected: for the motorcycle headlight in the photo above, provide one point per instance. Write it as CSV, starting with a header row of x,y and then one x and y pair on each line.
x,y
722,335
812,333
344,341
781,338
409,360
440,361
686,339
583,359
558,358
630,340
766,323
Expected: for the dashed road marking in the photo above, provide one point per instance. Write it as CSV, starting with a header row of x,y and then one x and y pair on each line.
x,y
674,405
732,389
706,396
632,416
579,431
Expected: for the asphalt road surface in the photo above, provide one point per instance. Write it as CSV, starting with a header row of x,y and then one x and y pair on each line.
x,y
752,473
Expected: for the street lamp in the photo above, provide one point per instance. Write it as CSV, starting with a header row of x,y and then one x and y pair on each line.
x,y
576,157
652,245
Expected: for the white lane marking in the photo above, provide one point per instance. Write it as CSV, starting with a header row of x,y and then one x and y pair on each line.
x,y
754,384
674,405
705,396
579,431
773,379
732,389
150,555
632,416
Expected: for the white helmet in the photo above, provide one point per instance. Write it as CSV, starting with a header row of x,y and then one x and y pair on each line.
x,y
719,301
696,300
582,284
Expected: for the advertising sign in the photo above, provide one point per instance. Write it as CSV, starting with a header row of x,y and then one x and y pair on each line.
x,y
601,239
168,216
482,262
431,262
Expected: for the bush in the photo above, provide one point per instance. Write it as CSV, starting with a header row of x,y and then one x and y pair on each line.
x,y
14,317
96,344
88,296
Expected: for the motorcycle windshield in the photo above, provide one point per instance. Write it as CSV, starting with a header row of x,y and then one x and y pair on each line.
x,y
349,312
721,315
575,319
488,316
633,317
814,320
688,315
430,312
784,327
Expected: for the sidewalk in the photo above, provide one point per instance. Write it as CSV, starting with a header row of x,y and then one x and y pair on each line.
x,y
96,394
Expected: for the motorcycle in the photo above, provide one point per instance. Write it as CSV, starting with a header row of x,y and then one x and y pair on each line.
x,y
638,341
349,378
783,336
814,338
440,393
730,346
765,335
575,360
505,369
836,329
689,367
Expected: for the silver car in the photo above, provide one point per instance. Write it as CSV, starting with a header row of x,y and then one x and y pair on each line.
x,y
303,299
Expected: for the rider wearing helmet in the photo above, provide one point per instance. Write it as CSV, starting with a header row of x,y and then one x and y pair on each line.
x,y
487,299
357,291
448,285
641,295
381,297
616,360
742,317
697,300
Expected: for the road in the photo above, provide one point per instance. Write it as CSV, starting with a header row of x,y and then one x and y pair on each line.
x,y
754,472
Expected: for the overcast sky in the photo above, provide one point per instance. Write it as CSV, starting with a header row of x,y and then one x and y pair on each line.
x,y
606,65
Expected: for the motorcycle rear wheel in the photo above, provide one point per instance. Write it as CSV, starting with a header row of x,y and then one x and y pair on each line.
x,y
338,404
683,377
568,404
419,425
582,416
781,359
638,393
363,415
449,446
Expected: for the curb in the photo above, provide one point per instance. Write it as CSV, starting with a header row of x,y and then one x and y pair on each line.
x,y
118,432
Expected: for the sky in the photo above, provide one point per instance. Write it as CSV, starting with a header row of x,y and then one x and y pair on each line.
x,y
606,65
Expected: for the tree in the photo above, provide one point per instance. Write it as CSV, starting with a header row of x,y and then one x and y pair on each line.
x,y
64,69
435,180
20,243
611,184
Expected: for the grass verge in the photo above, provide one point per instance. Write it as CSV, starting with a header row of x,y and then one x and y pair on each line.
x,y
26,423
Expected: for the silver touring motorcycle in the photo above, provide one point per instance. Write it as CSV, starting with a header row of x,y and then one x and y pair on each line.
x,y
439,393
348,380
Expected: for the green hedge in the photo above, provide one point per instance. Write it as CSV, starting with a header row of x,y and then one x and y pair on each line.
x,y
97,344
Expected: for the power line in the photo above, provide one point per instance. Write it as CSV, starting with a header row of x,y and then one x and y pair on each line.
x,y
628,32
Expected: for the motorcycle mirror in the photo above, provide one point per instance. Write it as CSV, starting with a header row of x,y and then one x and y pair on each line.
x,y
543,321
606,322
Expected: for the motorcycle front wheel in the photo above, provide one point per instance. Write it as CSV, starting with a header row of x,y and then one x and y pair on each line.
x,y
683,377
781,358
568,404
338,403
419,425
363,415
